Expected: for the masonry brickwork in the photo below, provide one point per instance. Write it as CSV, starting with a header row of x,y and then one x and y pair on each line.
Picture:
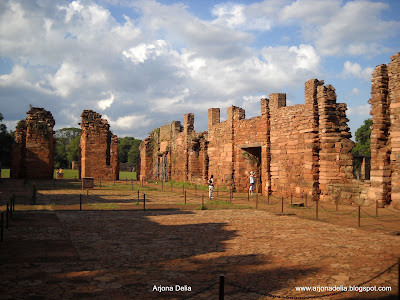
x,y
98,148
299,149
385,133
33,150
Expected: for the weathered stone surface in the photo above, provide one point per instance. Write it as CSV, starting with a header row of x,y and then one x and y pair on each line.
x,y
98,148
33,150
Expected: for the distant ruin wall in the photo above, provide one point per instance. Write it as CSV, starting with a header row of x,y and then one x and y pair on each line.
x,y
34,147
98,148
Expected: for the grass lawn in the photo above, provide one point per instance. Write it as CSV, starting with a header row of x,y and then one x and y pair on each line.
x,y
72,174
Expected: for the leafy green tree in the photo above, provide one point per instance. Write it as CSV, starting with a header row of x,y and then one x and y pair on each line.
x,y
128,149
363,140
67,147
6,141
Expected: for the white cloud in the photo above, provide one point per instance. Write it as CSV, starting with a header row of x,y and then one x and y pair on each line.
x,y
105,103
355,91
359,110
128,121
143,52
355,70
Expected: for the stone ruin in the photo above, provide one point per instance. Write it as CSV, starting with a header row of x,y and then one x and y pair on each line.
x,y
34,147
98,148
33,150
299,149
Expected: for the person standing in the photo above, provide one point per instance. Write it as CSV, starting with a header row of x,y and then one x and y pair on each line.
x,y
211,187
252,183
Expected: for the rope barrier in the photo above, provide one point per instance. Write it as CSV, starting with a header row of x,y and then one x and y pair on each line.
x,y
340,214
201,291
396,212
309,297
378,218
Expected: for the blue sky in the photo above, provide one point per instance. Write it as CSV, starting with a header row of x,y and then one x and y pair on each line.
x,y
143,64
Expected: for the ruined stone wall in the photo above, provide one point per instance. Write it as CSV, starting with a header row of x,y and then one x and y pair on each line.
x,y
335,158
33,151
394,131
175,152
385,133
98,148
220,147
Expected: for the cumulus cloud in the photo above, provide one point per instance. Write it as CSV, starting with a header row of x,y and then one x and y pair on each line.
x,y
105,103
355,70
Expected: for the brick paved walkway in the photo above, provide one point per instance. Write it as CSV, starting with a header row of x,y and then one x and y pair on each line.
x,y
124,254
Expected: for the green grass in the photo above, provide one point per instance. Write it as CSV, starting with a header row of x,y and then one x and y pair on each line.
x,y
5,173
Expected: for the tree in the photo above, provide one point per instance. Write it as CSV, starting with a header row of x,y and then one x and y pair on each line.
x,y
363,140
67,146
6,141
128,149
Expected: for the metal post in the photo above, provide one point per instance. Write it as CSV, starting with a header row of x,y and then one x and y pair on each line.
x,y
316,210
34,194
162,185
137,197
282,204
359,215
256,200
230,196
11,208
80,201
268,197
248,196
132,184
185,197
7,216
144,202
195,190
377,206
183,188
202,201
13,202
221,287
2,225
87,192
171,185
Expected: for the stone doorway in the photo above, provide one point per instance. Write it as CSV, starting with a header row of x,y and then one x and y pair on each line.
x,y
252,156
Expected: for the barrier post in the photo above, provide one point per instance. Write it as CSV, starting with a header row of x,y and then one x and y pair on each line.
x,y
248,196
282,204
195,190
230,196
13,202
359,215
100,184
202,201
162,185
256,200
80,201
2,225
171,185
7,216
137,197
144,202
268,197
185,197
221,287
142,181
316,210
183,188
11,208
132,184
377,206
306,199
291,199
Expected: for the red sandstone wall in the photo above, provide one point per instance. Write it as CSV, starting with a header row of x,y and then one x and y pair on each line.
x,y
292,148
220,147
99,148
35,146
394,131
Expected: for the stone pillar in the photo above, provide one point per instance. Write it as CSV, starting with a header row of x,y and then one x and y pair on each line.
x,y
380,149
213,117
394,131
188,123
277,100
